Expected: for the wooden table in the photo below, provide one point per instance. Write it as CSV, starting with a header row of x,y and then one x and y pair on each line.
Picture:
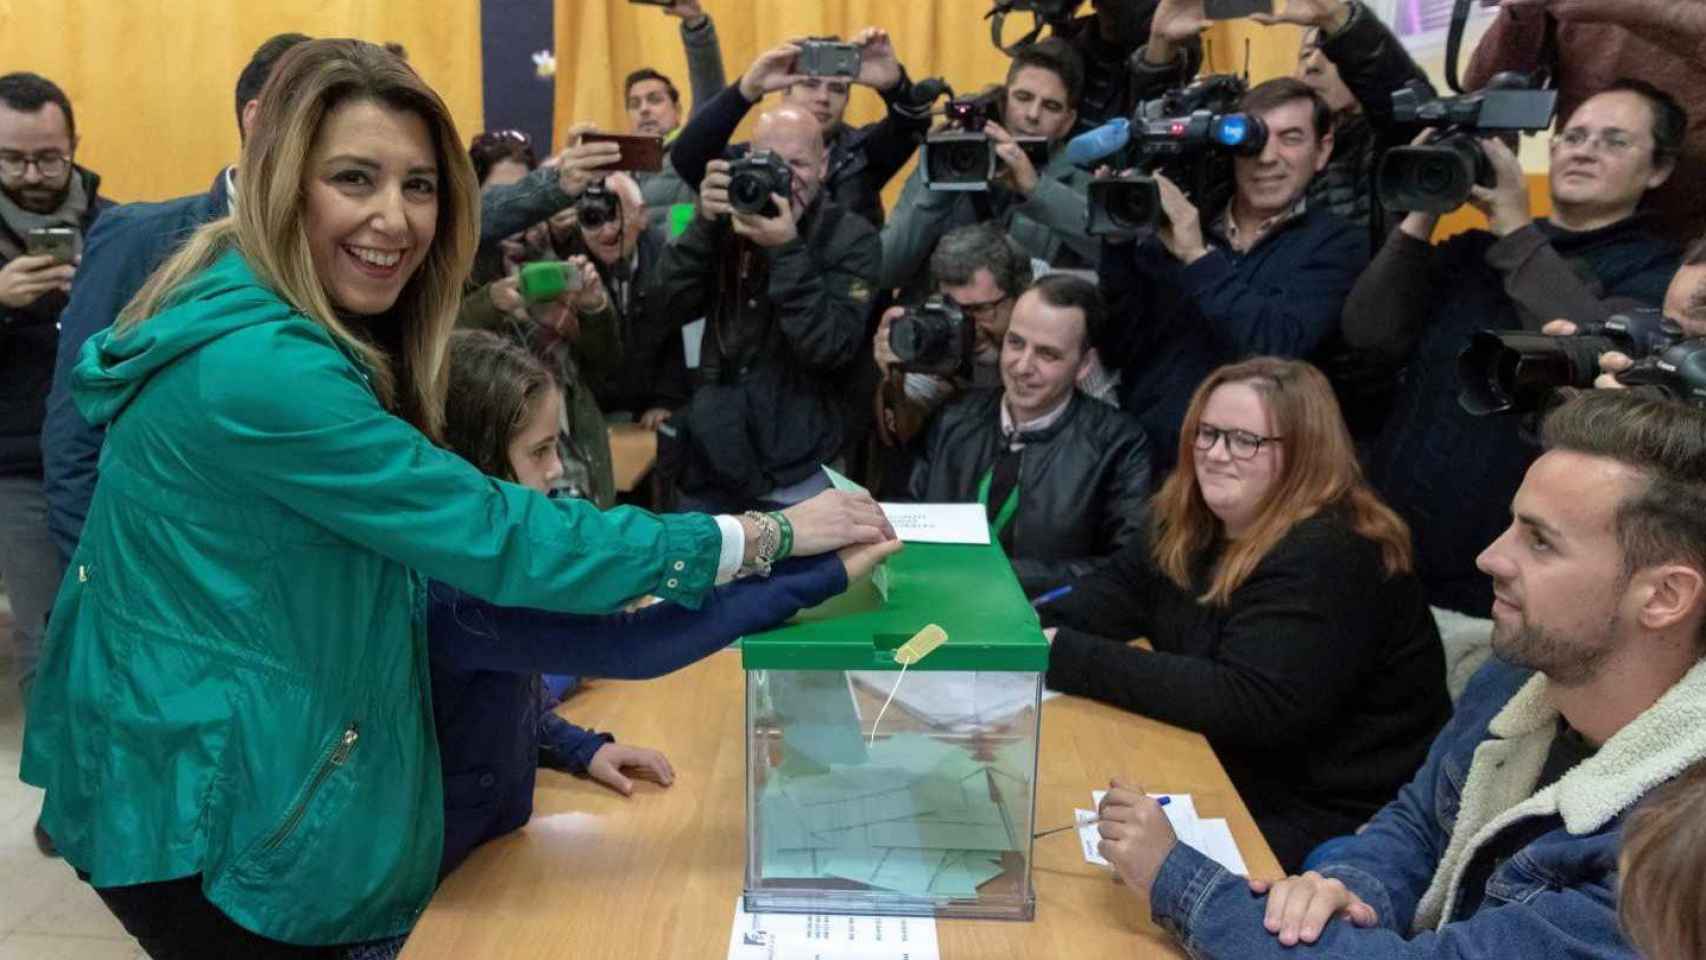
x,y
657,875
633,451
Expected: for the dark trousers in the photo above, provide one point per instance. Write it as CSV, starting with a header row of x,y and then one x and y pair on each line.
x,y
172,920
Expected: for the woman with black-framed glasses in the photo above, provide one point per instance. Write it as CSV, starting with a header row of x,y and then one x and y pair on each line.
x,y
1277,592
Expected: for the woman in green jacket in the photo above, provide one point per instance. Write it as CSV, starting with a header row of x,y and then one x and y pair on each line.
x,y
232,720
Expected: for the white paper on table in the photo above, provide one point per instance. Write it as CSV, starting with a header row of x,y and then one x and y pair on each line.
x,y
817,936
1217,845
938,522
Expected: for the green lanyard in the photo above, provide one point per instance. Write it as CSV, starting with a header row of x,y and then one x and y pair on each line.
x,y
1009,507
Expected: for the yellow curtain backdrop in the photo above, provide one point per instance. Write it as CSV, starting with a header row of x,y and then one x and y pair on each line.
x,y
151,81
600,41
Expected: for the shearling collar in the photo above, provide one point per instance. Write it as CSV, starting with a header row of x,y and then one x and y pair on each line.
x,y
1499,791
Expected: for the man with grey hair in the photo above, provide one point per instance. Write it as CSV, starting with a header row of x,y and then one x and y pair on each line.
x,y
786,294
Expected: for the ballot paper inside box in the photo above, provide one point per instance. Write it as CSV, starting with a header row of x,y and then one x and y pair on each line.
x,y
929,811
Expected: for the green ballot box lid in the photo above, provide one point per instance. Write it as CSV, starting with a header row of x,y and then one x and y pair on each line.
x,y
968,590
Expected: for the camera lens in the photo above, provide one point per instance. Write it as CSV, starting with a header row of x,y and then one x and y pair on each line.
x,y
964,159
747,190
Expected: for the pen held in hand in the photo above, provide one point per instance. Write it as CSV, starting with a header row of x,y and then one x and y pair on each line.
x,y
1161,801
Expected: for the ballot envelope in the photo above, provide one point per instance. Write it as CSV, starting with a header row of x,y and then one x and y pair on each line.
x,y
927,811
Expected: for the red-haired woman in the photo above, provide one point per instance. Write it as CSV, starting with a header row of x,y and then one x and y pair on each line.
x,y
1277,592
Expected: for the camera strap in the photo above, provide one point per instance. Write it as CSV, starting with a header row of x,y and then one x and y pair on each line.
x,y
1545,72
1009,506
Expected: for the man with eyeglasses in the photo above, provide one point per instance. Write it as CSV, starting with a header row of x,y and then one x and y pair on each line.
x,y
981,271
1446,472
1064,480
41,188
1587,44
862,160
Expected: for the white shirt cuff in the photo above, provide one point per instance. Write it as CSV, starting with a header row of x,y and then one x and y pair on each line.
x,y
734,547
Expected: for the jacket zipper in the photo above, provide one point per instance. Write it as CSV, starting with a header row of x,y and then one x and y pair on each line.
x,y
339,755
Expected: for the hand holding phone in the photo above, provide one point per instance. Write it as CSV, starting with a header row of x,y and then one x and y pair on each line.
x,y
63,244
1235,9
638,152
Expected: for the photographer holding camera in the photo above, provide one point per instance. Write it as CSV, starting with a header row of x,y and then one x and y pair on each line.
x,y
1587,44
1684,305
1355,63
1063,478
654,106
784,277
1267,274
861,161
1043,210
1105,41
1445,471
978,272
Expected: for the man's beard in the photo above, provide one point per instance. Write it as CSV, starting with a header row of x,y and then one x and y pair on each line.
x,y
38,199
1566,662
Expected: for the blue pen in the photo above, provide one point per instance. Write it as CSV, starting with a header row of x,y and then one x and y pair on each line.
x,y
1052,595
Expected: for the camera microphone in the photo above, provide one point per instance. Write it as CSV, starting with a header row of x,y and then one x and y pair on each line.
x,y
1104,141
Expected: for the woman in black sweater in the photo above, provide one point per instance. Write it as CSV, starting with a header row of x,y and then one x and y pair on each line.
x,y
1278,594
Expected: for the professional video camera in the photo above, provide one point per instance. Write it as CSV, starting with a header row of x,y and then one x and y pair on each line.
x,y
934,337
596,207
1189,134
1435,176
754,177
1506,371
963,157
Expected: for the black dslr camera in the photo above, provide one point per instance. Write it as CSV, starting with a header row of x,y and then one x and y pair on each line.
x,y
754,177
1505,371
963,157
934,337
597,206
1189,134
1435,176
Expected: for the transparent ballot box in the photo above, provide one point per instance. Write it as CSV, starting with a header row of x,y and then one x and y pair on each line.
x,y
927,811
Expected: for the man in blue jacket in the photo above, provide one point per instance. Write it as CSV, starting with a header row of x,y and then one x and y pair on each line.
x,y
1505,843
1266,274
131,241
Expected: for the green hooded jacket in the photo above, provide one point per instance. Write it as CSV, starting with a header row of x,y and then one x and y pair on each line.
x,y
234,682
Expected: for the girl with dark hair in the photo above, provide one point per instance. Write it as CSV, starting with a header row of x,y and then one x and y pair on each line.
x,y
1277,591
502,416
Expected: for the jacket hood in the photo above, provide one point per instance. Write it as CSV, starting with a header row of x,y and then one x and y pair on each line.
x,y
113,365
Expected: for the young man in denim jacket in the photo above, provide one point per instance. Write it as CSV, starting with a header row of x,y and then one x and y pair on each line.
x,y
1505,843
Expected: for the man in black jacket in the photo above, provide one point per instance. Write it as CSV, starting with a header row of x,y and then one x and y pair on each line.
x,y
650,380
1266,274
1105,41
786,296
1355,63
1451,475
1063,478
861,160
41,187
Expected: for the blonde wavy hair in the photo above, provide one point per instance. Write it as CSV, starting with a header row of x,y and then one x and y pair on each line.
x,y
308,84
1319,470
